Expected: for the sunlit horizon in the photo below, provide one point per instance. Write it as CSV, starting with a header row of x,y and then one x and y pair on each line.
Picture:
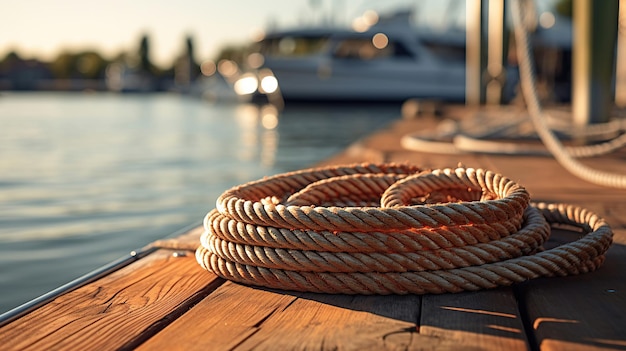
x,y
42,30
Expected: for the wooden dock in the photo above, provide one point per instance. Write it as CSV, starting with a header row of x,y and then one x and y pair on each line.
x,y
162,299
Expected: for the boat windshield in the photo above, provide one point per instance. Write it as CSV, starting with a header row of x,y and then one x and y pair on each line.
x,y
370,49
292,46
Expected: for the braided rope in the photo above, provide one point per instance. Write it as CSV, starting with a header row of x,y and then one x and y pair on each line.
x,y
434,232
243,204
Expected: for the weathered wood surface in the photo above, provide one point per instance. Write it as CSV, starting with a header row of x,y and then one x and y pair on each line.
x,y
168,302
117,311
486,320
586,312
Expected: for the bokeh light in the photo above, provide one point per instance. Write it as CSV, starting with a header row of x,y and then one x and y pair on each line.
x,y
245,85
227,68
370,17
269,84
208,68
547,20
255,60
269,117
380,41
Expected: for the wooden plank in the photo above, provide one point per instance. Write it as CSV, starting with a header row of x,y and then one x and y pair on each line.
x,y
485,320
271,320
222,320
279,320
381,146
385,146
344,322
117,311
585,312
547,181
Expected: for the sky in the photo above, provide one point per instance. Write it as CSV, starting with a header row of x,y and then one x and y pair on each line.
x,y
42,28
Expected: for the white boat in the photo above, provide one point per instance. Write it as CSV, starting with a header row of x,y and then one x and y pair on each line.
x,y
390,61
215,88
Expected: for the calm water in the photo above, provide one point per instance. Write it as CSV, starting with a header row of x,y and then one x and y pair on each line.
x,y
86,178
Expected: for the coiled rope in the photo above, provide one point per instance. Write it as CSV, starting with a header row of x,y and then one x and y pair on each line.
x,y
454,138
392,229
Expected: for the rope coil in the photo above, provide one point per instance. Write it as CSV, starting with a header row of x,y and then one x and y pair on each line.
x,y
392,229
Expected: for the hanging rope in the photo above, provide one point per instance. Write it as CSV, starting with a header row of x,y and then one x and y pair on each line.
x,y
473,136
551,142
392,229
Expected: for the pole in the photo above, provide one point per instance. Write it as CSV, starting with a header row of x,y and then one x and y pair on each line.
x,y
475,48
593,59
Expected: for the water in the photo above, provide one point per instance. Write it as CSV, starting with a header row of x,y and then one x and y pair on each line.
x,y
86,178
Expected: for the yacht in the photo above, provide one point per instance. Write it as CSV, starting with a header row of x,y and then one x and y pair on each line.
x,y
390,61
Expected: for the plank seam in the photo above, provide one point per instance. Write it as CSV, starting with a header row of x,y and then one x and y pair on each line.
x,y
178,312
527,324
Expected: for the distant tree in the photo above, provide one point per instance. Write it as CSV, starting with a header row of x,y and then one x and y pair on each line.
x,y
194,67
81,65
22,74
233,53
145,65
91,65
11,57
189,46
64,66
8,62
186,70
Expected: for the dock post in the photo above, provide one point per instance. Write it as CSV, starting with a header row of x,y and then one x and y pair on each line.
x,y
595,36
497,41
475,62
486,47
620,69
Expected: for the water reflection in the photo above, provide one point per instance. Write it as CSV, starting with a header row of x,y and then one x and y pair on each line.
x,y
84,179
258,139
302,134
